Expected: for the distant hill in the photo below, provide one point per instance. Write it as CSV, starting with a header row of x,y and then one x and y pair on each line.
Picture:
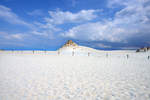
x,y
72,46
145,49
70,43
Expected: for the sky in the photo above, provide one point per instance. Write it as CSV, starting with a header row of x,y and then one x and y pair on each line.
x,y
100,24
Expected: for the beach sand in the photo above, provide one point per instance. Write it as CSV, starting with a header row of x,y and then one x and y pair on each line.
x,y
48,76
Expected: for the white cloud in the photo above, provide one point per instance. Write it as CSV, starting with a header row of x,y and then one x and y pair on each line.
x,y
9,16
60,17
36,12
132,21
38,33
46,26
102,45
47,29
129,48
16,36
116,3
46,33
94,31
51,29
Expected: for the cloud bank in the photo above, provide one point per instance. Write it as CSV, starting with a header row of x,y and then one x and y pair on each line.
x,y
60,17
9,16
132,21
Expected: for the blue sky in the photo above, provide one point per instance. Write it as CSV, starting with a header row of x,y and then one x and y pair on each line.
x,y
100,24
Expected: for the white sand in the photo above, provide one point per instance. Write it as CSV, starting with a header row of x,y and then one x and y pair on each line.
x,y
40,76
